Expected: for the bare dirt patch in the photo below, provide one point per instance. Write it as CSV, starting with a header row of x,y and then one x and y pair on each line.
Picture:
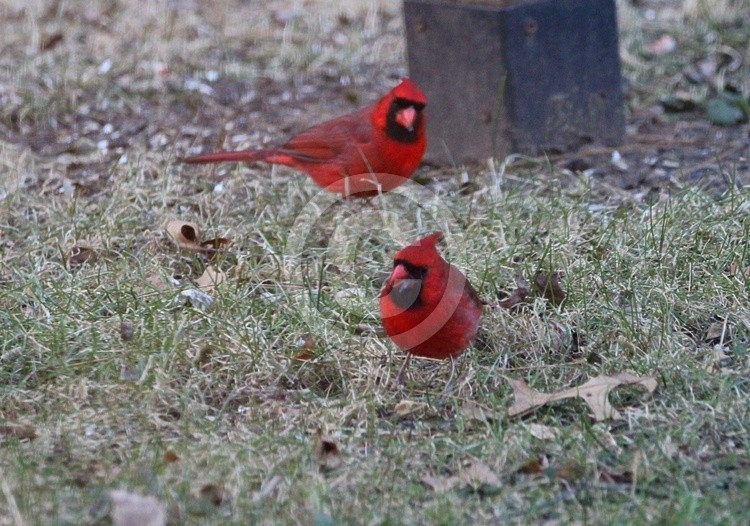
x,y
126,91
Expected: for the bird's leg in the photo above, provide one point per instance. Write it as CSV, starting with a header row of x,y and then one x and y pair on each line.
x,y
449,384
400,379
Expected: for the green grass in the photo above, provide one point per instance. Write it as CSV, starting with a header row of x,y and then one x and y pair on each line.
x,y
219,388
125,388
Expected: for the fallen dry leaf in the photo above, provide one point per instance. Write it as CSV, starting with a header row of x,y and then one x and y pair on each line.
x,y
407,407
470,410
548,285
126,330
51,41
534,466
594,392
570,471
307,349
363,329
304,355
606,439
212,494
440,484
609,476
17,431
717,332
214,245
129,509
170,457
543,432
187,235
78,255
327,451
210,278
478,475
203,356
157,282
517,296
734,269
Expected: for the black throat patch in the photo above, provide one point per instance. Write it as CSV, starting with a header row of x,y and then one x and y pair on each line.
x,y
407,294
397,132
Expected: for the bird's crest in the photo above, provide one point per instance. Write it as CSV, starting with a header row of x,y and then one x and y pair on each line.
x,y
423,252
408,90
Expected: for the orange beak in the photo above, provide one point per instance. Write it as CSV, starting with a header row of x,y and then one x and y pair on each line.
x,y
399,273
406,118
397,277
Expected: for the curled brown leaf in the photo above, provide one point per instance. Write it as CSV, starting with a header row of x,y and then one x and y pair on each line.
x,y
187,235
327,451
517,296
307,349
548,285
533,466
78,255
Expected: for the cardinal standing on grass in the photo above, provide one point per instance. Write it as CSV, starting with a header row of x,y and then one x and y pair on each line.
x,y
372,150
428,306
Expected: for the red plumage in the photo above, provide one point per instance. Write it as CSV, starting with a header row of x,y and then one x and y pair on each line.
x,y
379,145
427,305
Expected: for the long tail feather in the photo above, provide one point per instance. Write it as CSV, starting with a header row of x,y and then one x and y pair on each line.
x,y
246,156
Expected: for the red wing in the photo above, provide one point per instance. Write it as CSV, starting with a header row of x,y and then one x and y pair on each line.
x,y
336,139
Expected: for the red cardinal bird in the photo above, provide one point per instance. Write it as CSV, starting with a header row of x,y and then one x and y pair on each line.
x,y
428,306
380,144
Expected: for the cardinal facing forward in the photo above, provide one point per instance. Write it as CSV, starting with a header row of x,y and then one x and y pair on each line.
x,y
428,306
378,146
